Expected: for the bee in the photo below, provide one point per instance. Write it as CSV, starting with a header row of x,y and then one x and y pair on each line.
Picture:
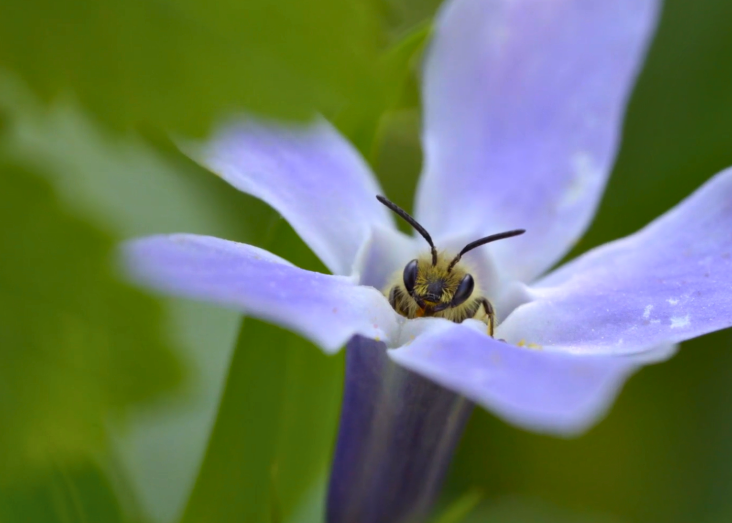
x,y
435,285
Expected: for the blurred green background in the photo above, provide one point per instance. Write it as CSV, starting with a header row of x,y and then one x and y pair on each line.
x,y
116,406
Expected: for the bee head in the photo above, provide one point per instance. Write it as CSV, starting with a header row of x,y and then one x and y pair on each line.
x,y
434,287
437,283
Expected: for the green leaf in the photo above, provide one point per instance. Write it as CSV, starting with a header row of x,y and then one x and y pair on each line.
x,y
79,495
131,189
530,510
179,64
77,347
360,121
459,509
124,184
272,441
275,429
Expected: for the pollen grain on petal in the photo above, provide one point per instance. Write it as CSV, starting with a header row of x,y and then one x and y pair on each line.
x,y
528,345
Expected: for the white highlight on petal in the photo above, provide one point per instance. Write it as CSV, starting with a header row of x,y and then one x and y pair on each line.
x,y
672,301
678,322
587,174
647,312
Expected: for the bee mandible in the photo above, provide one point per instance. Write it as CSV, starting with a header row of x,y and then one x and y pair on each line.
x,y
437,285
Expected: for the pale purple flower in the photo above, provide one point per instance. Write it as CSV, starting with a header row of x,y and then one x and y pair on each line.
x,y
523,105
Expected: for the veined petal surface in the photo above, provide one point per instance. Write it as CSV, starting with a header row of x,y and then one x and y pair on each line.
x,y
397,435
667,283
539,390
309,174
327,309
523,104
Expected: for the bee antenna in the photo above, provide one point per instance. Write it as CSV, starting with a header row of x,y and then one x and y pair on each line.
x,y
411,221
483,241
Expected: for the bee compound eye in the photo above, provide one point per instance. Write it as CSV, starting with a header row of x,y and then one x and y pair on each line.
x,y
464,290
410,275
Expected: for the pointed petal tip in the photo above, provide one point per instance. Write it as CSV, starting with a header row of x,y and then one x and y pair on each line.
x,y
662,285
309,173
524,102
326,309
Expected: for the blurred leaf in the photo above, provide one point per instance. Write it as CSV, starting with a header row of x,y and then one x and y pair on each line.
x,y
312,508
459,509
527,510
121,183
76,346
403,14
129,188
271,445
179,64
79,495
398,156
360,121
274,432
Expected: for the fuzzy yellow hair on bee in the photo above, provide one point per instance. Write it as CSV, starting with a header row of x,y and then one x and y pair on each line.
x,y
436,284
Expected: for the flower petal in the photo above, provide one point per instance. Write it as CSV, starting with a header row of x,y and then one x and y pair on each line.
x,y
327,309
523,107
535,389
311,175
667,283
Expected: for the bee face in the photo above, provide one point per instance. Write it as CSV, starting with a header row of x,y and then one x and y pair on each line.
x,y
444,290
433,288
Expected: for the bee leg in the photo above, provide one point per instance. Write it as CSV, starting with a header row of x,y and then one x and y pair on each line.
x,y
491,315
